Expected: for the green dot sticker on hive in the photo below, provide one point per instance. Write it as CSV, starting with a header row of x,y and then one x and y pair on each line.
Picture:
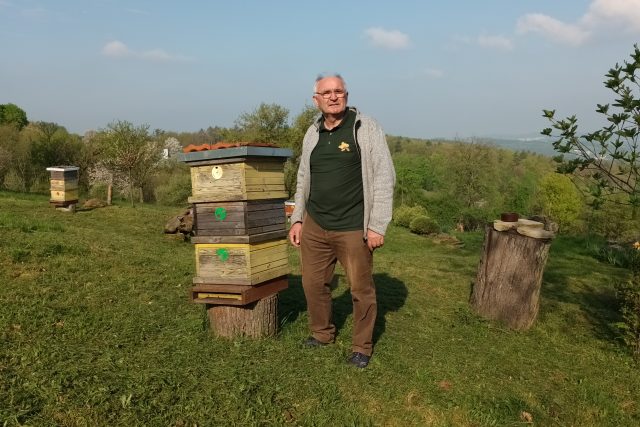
x,y
223,254
220,214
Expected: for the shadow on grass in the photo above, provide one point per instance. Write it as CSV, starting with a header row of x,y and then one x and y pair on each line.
x,y
391,296
598,304
570,257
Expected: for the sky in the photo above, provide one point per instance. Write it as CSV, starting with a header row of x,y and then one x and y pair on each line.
x,y
422,68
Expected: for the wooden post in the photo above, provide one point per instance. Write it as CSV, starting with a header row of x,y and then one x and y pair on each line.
x,y
507,286
256,320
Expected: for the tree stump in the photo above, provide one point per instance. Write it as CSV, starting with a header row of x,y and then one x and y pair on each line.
x,y
256,320
507,286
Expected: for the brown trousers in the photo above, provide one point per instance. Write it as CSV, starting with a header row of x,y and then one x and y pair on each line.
x,y
319,251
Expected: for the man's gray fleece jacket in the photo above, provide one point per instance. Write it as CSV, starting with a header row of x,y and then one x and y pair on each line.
x,y
378,174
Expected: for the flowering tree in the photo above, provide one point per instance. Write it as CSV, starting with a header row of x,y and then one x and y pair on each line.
x,y
128,153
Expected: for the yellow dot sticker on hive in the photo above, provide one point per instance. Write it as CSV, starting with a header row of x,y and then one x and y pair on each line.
x,y
216,172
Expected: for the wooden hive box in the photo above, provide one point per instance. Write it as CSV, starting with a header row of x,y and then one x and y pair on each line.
x,y
237,174
63,183
237,294
245,218
240,263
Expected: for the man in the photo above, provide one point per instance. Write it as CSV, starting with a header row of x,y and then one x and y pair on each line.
x,y
343,204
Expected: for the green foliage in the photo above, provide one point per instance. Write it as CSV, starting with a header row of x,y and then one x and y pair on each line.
x,y
268,123
98,191
628,293
559,199
613,221
623,256
176,188
129,152
424,225
11,114
295,136
9,137
475,218
403,215
414,175
608,159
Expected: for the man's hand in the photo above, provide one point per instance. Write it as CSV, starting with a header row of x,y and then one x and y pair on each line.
x,y
374,240
294,234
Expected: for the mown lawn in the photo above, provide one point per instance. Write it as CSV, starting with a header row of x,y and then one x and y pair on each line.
x,y
96,329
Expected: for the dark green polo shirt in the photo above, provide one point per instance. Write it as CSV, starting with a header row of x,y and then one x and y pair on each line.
x,y
336,200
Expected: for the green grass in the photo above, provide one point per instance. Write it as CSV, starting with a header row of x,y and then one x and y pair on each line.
x,y
96,329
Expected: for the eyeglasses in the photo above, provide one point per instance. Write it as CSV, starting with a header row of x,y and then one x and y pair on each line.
x,y
339,93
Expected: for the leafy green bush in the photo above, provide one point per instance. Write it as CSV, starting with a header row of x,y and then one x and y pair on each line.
x,y
98,191
475,218
176,190
403,215
422,224
629,296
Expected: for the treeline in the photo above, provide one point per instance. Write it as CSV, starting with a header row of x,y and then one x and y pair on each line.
x,y
456,185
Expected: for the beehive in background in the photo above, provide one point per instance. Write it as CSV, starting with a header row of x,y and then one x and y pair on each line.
x,y
63,185
241,258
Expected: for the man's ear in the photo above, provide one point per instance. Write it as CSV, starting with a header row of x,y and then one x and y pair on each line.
x,y
315,101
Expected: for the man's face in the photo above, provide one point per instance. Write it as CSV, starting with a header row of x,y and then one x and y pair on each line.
x,y
332,88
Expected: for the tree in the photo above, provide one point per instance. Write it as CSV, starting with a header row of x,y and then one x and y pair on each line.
x,y
294,141
607,159
53,145
267,123
11,114
559,199
128,152
9,137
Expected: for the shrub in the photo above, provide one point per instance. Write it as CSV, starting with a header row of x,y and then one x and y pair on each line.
x,y
98,191
422,224
403,215
475,218
629,296
176,190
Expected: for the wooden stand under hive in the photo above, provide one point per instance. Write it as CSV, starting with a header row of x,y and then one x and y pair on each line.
x,y
240,237
64,186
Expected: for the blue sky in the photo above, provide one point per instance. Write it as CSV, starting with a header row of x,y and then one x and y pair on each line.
x,y
422,68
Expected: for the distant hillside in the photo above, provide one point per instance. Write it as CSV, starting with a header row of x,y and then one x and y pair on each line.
x,y
539,144
535,144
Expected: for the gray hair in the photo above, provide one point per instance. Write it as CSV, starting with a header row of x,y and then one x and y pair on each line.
x,y
324,76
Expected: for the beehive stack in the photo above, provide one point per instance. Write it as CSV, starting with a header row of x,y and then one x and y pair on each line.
x,y
240,232
63,186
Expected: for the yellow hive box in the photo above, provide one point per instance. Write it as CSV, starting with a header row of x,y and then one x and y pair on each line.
x,y
253,179
63,185
64,196
241,263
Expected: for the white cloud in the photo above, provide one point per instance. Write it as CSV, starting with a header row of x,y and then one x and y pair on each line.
x,y
116,49
623,13
602,15
495,42
387,39
552,28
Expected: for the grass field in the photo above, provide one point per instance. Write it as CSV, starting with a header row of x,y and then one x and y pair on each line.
x,y
96,329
